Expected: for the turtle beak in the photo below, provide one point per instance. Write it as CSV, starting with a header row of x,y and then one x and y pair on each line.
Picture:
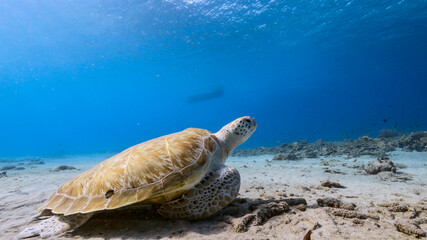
x,y
254,124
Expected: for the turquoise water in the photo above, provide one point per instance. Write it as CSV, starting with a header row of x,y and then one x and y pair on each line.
x,y
99,76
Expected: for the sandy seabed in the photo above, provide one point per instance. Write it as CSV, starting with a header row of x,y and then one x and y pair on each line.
x,y
369,207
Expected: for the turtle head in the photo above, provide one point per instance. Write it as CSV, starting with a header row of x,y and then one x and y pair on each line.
x,y
242,128
236,133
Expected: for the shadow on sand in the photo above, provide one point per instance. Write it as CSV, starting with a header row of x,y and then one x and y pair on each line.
x,y
137,222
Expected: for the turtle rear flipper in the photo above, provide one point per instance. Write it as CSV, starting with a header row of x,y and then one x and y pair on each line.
x,y
54,225
211,194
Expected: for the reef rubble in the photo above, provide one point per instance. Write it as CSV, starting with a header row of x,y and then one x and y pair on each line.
x,y
378,147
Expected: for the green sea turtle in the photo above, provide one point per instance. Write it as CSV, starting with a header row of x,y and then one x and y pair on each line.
x,y
183,172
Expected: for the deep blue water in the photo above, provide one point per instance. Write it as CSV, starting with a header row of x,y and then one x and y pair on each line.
x,y
100,76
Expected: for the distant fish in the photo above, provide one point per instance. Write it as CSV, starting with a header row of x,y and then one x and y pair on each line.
x,y
216,93
386,119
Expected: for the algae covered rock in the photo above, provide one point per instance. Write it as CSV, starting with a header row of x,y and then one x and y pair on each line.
x,y
382,164
63,167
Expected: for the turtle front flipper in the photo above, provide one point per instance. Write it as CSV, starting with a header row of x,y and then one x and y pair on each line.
x,y
54,225
211,194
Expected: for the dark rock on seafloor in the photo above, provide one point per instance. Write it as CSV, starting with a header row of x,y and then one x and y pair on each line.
x,y
382,164
286,156
331,184
8,167
35,161
11,167
3,174
63,167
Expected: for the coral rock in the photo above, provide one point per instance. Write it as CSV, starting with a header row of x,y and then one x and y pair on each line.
x,y
330,184
352,214
409,229
382,164
335,203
